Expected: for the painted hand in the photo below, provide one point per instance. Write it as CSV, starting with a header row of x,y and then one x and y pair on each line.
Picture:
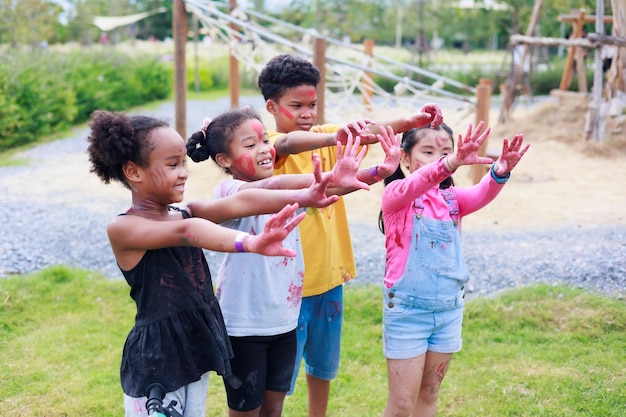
x,y
468,146
390,142
357,128
348,161
276,230
511,154
429,114
315,195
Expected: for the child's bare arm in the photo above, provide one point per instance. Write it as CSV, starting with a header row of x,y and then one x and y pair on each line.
x,y
429,114
300,141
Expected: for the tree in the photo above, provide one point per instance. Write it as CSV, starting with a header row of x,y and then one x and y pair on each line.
x,y
28,22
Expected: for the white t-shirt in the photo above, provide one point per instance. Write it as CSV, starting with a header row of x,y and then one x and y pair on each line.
x,y
259,295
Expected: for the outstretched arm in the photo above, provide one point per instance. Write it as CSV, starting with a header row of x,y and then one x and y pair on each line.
x,y
343,174
131,236
429,114
300,141
253,201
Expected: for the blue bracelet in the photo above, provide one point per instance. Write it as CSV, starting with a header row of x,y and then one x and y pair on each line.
x,y
496,177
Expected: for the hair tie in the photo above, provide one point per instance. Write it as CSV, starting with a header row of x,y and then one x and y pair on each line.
x,y
205,122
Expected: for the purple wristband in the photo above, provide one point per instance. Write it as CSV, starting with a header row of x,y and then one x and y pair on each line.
x,y
374,173
239,241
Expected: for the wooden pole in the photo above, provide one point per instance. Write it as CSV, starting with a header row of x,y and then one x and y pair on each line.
x,y
577,31
319,60
595,115
368,45
179,29
233,78
514,80
483,99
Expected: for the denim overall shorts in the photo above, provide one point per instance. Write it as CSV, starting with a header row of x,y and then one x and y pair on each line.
x,y
423,310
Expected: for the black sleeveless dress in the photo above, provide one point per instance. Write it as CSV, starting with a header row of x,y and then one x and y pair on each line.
x,y
179,331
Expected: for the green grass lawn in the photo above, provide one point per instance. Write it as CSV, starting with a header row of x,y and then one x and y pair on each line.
x,y
541,350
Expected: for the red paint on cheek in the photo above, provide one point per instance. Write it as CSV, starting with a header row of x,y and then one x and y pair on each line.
x,y
257,126
285,112
245,165
273,153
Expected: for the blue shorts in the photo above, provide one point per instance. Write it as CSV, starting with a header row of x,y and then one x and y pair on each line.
x,y
319,335
412,326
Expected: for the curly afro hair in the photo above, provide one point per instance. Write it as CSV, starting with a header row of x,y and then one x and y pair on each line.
x,y
284,72
117,138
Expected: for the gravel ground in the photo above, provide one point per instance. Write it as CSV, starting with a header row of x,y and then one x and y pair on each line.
x,y
37,233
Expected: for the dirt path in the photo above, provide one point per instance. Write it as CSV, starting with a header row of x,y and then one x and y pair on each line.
x,y
561,182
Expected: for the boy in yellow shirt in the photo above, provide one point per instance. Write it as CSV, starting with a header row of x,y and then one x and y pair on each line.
x,y
288,84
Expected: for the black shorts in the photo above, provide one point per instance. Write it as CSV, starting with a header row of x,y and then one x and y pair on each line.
x,y
260,363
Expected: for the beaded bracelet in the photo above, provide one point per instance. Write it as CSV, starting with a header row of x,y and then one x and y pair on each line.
x,y
374,173
496,177
239,241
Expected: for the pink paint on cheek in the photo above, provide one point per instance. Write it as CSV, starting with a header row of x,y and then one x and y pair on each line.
x,y
273,153
245,165
257,126
285,112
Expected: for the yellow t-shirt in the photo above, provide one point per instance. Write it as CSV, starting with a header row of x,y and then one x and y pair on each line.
x,y
325,235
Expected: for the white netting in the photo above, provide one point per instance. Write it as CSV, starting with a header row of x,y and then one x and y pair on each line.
x,y
350,73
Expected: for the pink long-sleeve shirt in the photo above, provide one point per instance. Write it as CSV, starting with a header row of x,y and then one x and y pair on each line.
x,y
399,211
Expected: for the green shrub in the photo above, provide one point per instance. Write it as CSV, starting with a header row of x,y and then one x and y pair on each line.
x,y
214,74
48,92
35,99
205,78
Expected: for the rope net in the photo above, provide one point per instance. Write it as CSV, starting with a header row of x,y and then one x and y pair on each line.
x,y
351,88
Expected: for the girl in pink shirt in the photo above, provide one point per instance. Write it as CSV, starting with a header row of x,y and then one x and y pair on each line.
x,y
425,271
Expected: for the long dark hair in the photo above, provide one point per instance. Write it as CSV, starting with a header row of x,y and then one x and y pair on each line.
x,y
410,138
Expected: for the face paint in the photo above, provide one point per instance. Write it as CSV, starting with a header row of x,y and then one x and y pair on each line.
x,y
312,93
273,153
245,164
285,112
257,126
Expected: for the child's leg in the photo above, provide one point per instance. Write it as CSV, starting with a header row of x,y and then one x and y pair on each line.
x,y
280,364
435,368
191,400
195,397
322,349
404,378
